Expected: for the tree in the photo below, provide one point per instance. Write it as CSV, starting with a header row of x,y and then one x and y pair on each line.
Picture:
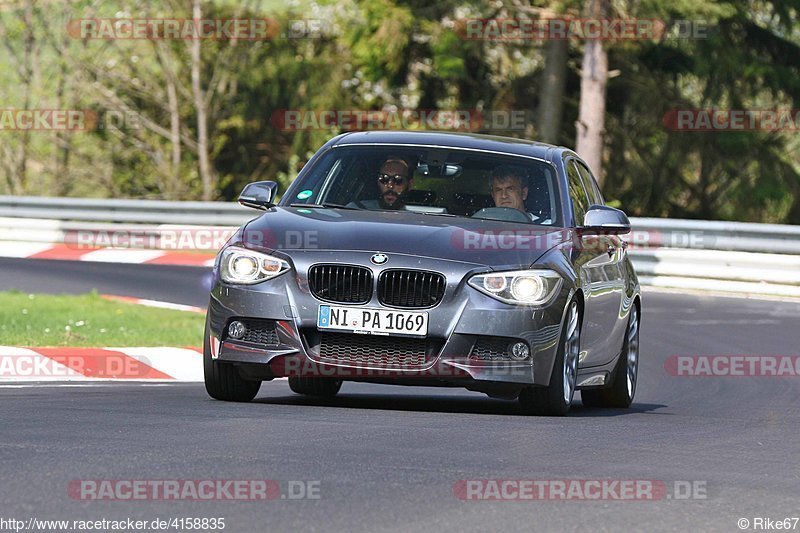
x,y
594,75
551,100
200,106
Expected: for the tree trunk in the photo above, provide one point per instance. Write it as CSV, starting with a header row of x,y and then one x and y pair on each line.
x,y
590,127
206,173
175,140
554,78
62,143
27,83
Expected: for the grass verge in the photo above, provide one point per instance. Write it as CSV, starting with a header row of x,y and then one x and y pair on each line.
x,y
89,320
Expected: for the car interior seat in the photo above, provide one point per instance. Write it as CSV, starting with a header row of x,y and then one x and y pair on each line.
x,y
538,201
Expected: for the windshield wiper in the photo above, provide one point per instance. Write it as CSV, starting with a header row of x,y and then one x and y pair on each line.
x,y
324,205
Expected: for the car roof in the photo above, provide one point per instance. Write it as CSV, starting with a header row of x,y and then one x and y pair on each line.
x,y
473,141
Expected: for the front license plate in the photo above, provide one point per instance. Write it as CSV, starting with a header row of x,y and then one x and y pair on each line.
x,y
372,321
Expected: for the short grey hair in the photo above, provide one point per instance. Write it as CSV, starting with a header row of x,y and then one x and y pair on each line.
x,y
505,172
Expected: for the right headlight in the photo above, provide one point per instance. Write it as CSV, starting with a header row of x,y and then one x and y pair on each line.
x,y
519,287
243,266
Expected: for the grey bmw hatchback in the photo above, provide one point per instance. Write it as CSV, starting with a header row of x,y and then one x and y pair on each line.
x,y
420,258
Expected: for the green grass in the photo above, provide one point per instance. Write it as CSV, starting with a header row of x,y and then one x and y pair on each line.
x,y
89,320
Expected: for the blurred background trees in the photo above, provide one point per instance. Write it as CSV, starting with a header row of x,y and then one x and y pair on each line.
x,y
194,119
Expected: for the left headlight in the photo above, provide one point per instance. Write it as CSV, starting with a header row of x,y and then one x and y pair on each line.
x,y
519,287
243,266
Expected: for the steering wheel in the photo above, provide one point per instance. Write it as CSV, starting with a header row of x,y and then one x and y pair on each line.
x,y
506,214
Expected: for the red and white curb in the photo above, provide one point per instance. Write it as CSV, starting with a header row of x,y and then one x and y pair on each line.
x,y
100,364
34,250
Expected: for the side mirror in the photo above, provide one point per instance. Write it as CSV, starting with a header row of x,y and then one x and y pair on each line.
x,y
607,220
259,194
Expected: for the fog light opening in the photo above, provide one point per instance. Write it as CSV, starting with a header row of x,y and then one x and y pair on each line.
x,y
236,330
519,351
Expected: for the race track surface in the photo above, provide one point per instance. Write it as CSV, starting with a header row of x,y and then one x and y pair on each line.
x,y
387,458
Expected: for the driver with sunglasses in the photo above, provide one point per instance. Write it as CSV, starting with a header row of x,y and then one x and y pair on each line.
x,y
394,181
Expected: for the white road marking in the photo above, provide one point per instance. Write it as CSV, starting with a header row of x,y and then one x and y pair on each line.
x,y
22,249
93,383
182,364
170,305
112,255
21,364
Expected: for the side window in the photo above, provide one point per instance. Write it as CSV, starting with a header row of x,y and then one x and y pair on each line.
x,y
580,203
590,184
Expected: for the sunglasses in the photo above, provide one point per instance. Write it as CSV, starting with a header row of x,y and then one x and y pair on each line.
x,y
397,179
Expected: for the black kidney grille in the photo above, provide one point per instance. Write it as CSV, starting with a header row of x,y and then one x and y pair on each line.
x,y
341,283
373,350
410,288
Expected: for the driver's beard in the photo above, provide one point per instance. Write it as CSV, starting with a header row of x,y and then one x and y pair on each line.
x,y
399,203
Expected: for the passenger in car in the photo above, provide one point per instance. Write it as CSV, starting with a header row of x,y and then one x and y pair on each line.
x,y
395,180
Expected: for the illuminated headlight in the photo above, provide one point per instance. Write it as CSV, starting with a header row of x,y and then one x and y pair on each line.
x,y
526,288
520,287
243,266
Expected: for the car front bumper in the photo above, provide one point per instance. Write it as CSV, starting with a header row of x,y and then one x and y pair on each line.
x,y
455,326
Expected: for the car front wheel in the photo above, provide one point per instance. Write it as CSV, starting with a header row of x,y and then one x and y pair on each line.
x,y
223,381
556,398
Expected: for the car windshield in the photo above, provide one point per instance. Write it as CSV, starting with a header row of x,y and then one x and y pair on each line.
x,y
432,180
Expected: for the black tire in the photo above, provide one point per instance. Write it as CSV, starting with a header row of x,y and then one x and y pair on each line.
x,y
616,394
320,387
550,400
223,381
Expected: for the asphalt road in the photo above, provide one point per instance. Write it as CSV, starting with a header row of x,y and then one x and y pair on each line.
x,y
387,458
176,284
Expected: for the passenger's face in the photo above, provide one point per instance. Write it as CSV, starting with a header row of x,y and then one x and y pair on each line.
x,y
392,189
509,192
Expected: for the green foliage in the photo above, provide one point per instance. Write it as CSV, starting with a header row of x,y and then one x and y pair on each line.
x,y
386,54
379,39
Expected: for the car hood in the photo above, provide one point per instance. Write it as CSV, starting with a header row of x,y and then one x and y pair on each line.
x,y
484,242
